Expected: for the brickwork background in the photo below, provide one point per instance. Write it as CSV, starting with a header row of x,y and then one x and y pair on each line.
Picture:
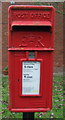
x,y
0,39
64,38
58,57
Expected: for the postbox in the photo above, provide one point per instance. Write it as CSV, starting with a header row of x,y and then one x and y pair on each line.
x,y
30,57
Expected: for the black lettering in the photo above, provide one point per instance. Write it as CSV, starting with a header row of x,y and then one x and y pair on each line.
x,y
24,76
29,66
24,66
29,76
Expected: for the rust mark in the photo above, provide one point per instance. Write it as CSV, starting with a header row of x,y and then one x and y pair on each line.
x,y
22,48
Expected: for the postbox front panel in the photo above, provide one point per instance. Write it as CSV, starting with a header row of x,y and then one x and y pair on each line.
x,y
24,96
30,56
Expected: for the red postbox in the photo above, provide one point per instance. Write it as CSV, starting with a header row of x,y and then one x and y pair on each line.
x,y
30,57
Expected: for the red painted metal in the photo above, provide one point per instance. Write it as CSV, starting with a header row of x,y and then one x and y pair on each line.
x,y
30,28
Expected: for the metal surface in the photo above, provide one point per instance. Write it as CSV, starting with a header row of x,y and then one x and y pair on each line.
x,y
28,116
30,29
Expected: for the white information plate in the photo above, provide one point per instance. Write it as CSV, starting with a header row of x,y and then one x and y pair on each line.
x,y
30,78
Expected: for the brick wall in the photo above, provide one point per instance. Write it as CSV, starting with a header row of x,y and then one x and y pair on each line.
x,y
58,57
0,39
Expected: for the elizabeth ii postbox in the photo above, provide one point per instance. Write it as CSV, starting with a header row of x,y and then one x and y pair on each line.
x,y
30,57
